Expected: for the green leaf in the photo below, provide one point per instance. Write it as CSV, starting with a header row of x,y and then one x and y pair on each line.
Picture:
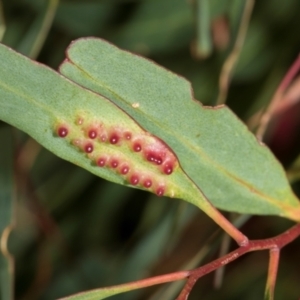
x,y
6,213
63,116
103,293
95,295
214,148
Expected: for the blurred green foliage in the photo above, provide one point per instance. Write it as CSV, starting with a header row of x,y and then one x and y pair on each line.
x,y
75,231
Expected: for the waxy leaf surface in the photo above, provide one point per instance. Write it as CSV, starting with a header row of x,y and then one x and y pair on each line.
x,y
214,148
89,130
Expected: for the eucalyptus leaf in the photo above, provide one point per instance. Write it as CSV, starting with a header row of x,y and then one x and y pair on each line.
x,y
214,148
92,132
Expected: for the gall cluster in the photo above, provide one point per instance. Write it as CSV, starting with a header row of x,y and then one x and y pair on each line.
x,y
95,139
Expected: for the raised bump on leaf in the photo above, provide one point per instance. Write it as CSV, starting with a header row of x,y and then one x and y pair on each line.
x,y
101,161
98,138
114,163
154,157
77,142
92,133
79,121
137,147
147,183
134,179
88,148
168,168
160,191
103,137
62,131
124,169
127,135
114,138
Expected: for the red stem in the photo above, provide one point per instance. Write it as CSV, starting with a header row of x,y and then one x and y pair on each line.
x,y
255,245
290,75
272,273
292,72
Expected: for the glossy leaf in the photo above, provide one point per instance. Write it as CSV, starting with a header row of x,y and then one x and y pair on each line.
x,y
214,148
